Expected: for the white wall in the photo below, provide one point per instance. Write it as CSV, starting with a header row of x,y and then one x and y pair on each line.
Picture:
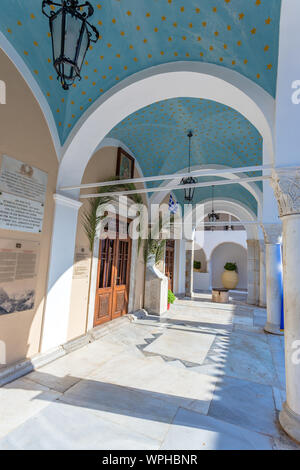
x,y
232,253
209,241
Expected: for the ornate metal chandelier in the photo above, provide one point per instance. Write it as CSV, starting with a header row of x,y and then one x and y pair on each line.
x,y
189,192
71,35
213,217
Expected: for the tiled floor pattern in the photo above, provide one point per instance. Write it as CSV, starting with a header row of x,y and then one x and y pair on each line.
x,y
200,377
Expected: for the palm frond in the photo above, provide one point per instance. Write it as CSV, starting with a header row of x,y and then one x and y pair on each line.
x,y
90,220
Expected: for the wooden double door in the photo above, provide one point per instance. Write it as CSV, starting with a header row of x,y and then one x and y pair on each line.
x,y
112,280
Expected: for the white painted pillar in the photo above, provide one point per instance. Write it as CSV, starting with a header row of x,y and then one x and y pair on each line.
x,y
273,233
57,308
189,268
287,190
262,275
209,270
253,271
181,267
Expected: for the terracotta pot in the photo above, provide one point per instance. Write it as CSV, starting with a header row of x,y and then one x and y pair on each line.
x,y
230,279
168,306
197,270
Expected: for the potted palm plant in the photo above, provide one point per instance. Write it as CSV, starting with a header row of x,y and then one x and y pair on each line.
x,y
197,266
230,278
171,298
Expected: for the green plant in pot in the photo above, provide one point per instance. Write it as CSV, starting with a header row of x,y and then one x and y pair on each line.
x,y
230,278
197,266
171,298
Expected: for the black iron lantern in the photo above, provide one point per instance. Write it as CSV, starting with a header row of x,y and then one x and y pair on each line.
x,y
71,35
213,217
189,191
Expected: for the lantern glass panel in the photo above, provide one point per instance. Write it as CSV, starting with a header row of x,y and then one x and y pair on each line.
x,y
56,35
83,48
72,35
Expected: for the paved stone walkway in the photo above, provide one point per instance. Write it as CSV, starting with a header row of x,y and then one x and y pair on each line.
x,y
202,377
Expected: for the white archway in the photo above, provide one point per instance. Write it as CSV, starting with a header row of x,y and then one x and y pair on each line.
x,y
231,207
201,80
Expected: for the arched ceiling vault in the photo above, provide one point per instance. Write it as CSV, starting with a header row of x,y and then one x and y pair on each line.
x,y
135,35
157,136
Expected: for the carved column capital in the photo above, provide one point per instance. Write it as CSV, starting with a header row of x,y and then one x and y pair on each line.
x,y
286,186
272,233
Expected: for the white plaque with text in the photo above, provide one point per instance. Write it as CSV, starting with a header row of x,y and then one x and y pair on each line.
x,y
23,180
18,275
17,213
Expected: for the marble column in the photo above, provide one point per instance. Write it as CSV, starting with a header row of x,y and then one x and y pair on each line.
x,y
189,268
253,271
273,233
286,185
262,275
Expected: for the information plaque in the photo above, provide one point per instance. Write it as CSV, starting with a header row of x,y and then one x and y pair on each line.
x,y
18,275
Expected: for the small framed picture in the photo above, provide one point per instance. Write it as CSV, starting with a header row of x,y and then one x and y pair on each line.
x,y
125,165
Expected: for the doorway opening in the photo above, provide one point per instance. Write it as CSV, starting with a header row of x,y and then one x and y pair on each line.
x,y
112,290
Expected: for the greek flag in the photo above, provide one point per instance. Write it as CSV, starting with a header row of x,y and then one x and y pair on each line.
x,y
173,205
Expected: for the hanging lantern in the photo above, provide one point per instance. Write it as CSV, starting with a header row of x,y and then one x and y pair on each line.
x,y
213,217
189,191
71,35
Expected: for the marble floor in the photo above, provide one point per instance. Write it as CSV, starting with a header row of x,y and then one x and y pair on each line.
x,y
203,376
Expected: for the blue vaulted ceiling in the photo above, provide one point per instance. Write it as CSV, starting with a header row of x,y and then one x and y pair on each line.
x,y
136,34
157,136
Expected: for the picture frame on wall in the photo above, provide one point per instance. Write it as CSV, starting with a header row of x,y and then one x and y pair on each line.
x,y
125,165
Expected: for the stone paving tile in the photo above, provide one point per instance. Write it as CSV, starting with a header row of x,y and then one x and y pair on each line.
x,y
135,409
70,369
178,386
20,400
245,404
66,427
193,431
182,345
249,357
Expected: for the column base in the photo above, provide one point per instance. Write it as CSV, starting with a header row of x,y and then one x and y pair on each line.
x,y
273,329
189,296
290,422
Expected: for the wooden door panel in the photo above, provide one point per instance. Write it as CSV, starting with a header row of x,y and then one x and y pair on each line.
x,y
120,303
105,281
112,280
121,288
103,307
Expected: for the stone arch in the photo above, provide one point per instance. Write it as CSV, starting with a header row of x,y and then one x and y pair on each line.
x,y
201,80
